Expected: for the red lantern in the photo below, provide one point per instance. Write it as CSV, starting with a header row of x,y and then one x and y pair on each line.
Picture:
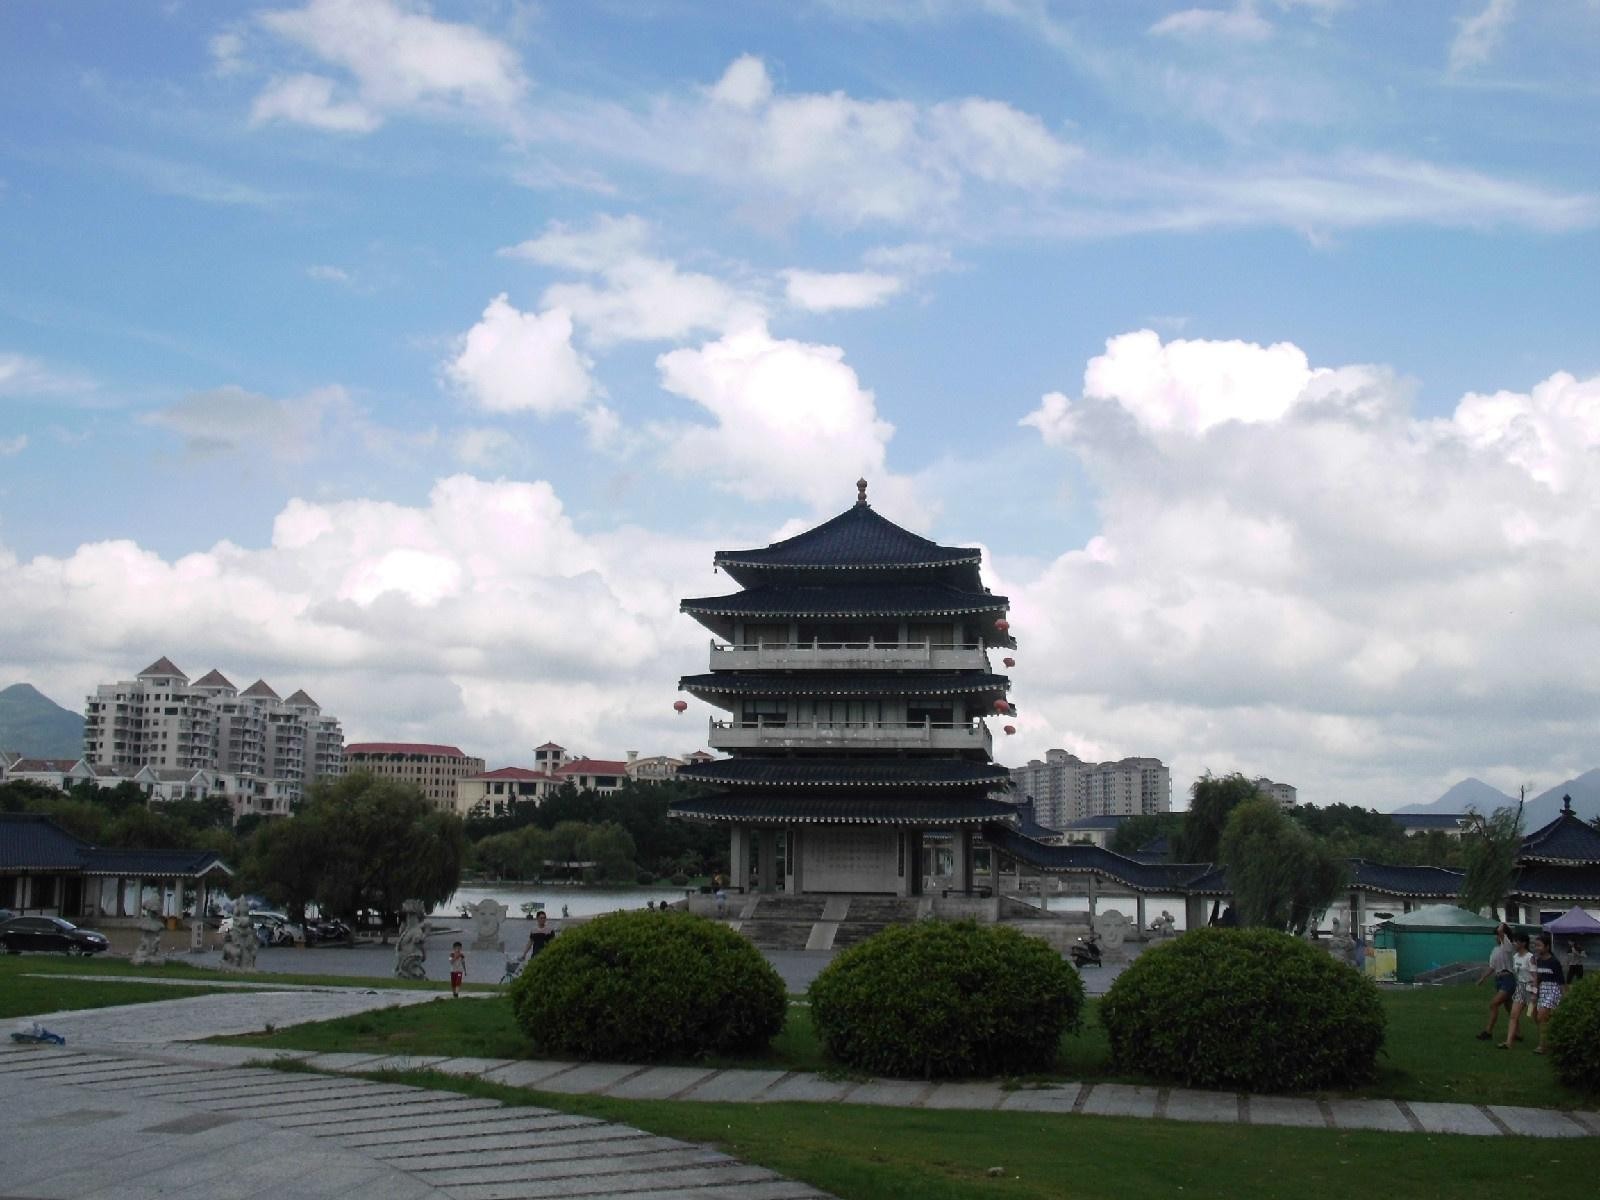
x,y
1010,729
1001,706
1010,662
680,706
1002,624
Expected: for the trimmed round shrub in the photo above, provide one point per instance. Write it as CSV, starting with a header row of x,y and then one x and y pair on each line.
x,y
679,879
638,986
1574,1035
645,878
1244,1009
942,999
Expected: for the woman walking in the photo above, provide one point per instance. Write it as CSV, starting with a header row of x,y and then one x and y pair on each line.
x,y
1523,999
1505,979
1549,979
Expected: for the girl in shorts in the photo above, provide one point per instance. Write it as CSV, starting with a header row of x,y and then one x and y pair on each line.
x,y
1548,978
1522,1000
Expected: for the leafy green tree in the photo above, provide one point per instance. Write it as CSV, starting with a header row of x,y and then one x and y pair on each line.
x,y
1489,849
285,861
1211,800
1143,828
1279,874
610,847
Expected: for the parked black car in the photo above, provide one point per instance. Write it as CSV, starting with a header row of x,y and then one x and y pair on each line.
x,y
49,933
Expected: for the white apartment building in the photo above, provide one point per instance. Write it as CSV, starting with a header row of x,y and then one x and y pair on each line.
x,y
1066,789
259,749
1285,794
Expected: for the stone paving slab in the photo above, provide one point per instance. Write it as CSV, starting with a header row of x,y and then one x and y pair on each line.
x,y
1538,1122
338,1061
735,1086
465,1065
658,1083
1368,1114
1589,1120
1285,1110
540,1171
1121,1100
965,1095
622,1184
810,1088
617,1140
525,1074
443,1129
891,1093
379,1110
1452,1118
493,1139
240,1083
1048,1099
1186,1104
590,1079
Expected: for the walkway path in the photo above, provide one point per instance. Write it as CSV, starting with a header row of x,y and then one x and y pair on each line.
x,y
164,1029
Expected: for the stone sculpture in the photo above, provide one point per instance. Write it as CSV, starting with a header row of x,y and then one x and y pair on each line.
x,y
487,916
410,952
150,929
239,943
1112,926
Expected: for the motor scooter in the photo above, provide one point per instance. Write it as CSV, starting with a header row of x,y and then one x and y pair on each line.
x,y
1086,953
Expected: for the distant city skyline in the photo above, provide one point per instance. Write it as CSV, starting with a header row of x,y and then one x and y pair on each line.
x,y
424,353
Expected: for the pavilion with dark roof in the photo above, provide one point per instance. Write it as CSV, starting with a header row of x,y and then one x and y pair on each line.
x,y
853,675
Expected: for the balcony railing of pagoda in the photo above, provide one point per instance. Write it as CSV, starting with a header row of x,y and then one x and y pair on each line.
x,y
812,735
864,655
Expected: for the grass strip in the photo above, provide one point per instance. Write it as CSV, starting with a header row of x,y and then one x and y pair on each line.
x,y
1430,1052
866,1153
26,997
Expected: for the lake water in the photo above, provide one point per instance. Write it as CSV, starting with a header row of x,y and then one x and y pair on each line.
x,y
579,901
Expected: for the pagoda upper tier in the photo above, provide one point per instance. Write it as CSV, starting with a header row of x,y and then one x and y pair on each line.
x,y
857,540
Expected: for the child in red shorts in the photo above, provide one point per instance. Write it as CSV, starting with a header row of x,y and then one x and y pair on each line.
x,y
458,968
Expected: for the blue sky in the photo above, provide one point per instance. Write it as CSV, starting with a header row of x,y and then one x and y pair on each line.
x,y
420,355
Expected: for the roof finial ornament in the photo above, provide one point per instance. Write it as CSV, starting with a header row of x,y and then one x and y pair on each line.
x,y
861,491
1566,803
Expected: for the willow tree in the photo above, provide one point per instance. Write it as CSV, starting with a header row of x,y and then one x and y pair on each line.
x,y
1489,848
1279,874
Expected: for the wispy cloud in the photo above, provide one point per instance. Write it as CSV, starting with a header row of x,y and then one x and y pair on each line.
x,y
186,180
1480,35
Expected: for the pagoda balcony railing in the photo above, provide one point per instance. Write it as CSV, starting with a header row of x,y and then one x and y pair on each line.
x,y
814,735
865,655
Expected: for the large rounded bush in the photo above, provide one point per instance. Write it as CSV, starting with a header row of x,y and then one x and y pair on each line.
x,y
1574,1035
1245,1009
638,986
946,999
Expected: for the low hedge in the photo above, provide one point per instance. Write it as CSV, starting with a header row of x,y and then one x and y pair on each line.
x,y
946,999
1244,1009
639,986
1574,1035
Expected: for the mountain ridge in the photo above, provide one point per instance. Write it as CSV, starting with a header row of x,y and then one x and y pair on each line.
x,y
35,726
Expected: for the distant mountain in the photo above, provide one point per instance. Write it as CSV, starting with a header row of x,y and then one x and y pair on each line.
x,y
1585,793
1469,793
36,726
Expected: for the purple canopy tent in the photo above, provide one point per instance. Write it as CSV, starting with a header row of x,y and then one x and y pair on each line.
x,y
1574,922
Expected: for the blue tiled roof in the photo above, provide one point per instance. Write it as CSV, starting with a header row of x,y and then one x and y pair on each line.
x,y
1567,839
168,863
1405,880
856,538
841,683
846,772
1560,882
1028,824
847,600
844,810
1170,878
29,842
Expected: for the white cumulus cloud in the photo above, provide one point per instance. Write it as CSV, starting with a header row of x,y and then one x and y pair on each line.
x,y
821,291
513,361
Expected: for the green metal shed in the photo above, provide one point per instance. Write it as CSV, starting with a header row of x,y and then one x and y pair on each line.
x,y
1436,936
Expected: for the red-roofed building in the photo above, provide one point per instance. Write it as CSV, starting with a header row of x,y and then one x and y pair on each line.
x,y
593,774
434,768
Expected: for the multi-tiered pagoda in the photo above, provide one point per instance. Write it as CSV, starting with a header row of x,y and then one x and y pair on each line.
x,y
853,668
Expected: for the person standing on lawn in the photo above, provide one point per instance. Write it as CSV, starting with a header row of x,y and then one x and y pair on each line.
x,y
1548,978
1522,1000
540,936
458,968
1575,957
1505,979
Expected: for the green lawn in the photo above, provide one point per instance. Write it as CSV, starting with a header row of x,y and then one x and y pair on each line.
x,y
863,1153
22,996
1430,1053
60,964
